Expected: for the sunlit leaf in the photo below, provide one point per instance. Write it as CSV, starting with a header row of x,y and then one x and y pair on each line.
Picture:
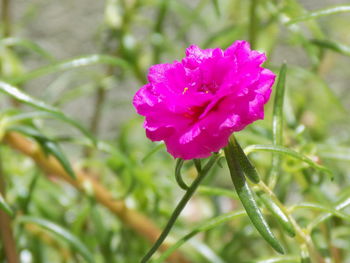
x,y
35,103
4,206
339,206
285,259
332,45
71,64
320,13
28,44
288,152
329,209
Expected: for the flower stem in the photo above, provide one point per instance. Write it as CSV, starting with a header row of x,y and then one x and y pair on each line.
x,y
181,205
6,17
6,22
253,25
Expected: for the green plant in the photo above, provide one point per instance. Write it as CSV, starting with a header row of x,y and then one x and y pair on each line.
x,y
72,146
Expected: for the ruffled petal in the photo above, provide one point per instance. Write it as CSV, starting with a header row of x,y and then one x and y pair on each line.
x,y
196,104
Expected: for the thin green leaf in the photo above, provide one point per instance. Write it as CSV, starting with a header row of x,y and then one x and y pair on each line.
x,y
277,125
334,212
180,206
341,205
29,195
47,144
332,45
4,206
217,191
304,254
286,259
163,10
247,198
197,164
332,98
15,41
207,251
25,116
206,226
28,131
254,24
35,103
248,168
278,214
216,7
322,12
60,232
153,151
71,64
24,98
288,152
334,152
178,176
223,36
53,148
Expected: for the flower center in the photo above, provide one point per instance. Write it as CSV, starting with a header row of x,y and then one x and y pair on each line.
x,y
208,88
195,112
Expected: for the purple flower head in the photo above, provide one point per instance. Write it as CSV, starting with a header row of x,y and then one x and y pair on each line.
x,y
196,104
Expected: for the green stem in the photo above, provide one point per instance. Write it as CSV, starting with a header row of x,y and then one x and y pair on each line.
x,y
6,32
277,126
6,18
181,205
302,237
97,115
158,29
178,176
253,25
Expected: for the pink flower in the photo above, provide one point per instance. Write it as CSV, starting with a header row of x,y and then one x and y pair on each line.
x,y
196,104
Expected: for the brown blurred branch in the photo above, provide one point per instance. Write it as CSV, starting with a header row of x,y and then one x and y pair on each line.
x,y
7,238
134,219
6,228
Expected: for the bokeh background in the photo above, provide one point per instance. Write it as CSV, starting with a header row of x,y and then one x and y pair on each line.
x,y
73,28
41,34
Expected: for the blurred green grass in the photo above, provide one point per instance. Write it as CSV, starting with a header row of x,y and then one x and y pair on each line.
x,y
140,33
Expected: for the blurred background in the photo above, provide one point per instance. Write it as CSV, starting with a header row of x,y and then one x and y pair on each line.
x,y
137,30
88,58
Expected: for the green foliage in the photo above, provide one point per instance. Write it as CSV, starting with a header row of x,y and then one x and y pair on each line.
x,y
61,232
70,92
237,171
